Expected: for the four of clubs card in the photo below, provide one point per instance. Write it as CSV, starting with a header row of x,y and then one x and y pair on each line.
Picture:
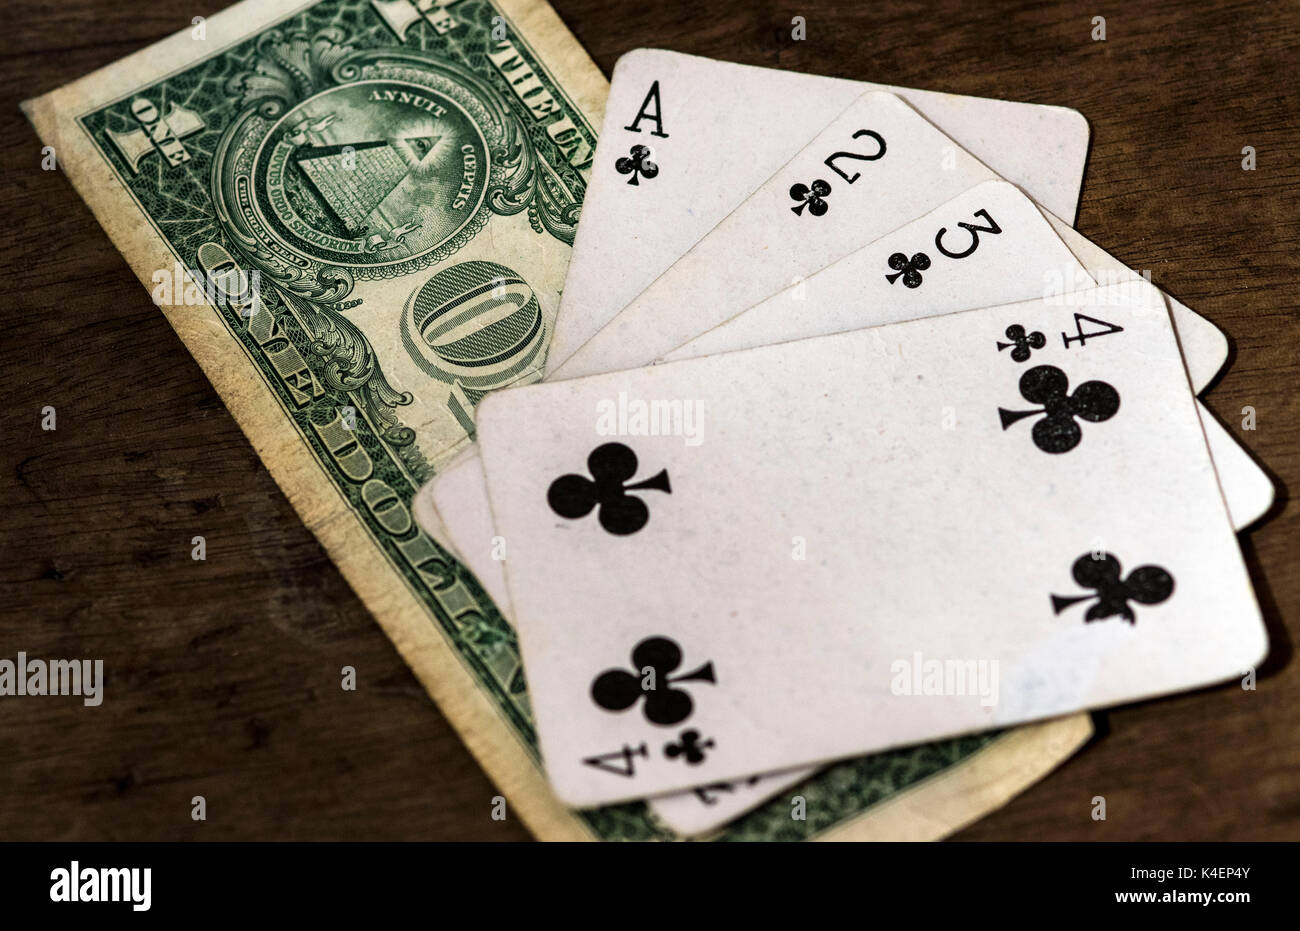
x,y
1016,488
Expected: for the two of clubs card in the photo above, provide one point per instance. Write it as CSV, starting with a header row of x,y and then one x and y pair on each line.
x,y
847,442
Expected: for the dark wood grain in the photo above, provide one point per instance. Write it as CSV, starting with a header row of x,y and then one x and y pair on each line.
x,y
223,674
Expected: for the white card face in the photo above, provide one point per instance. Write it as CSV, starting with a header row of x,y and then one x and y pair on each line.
x,y
1016,263
1247,489
831,518
876,166
717,130
458,495
461,494
1204,346
989,245
1249,494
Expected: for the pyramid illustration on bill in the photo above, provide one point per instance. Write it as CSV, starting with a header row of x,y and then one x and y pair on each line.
x,y
353,179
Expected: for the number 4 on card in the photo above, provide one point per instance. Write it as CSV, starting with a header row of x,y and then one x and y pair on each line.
x,y
1081,337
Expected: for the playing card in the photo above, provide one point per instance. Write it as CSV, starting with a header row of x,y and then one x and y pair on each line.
x,y
876,166
820,305
707,807
771,581
686,139
460,492
703,808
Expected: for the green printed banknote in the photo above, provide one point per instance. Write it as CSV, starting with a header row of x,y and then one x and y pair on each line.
x,y
358,214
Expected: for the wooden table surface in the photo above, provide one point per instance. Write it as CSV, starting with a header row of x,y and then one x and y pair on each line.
x,y
223,674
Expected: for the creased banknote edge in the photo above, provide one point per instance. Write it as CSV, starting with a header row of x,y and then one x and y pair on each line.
x,y
251,402
972,789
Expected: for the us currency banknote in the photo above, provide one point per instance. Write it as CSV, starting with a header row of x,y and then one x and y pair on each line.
x,y
357,215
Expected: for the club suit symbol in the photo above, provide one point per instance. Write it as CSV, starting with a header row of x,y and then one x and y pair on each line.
x,y
811,198
1058,431
612,465
637,163
1146,585
665,705
1024,343
909,269
689,747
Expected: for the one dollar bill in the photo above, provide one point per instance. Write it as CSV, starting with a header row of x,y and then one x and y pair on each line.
x,y
357,215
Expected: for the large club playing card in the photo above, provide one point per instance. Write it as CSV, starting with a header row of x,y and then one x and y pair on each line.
x,y
686,139
828,547
1024,257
